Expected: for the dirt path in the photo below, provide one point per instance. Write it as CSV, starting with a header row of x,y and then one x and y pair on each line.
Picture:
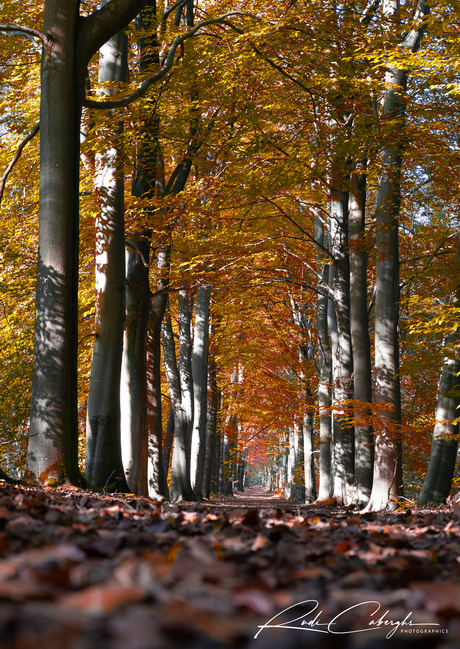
x,y
255,493
258,497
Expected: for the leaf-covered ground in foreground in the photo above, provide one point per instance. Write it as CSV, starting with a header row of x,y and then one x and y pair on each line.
x,y
80,570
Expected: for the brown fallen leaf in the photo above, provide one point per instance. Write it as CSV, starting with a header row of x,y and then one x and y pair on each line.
x,y
102,598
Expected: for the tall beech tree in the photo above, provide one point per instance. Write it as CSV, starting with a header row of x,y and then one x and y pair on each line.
x,y
69,41
325,371
359,331
103,464
440,472
200,388
181,390
387,481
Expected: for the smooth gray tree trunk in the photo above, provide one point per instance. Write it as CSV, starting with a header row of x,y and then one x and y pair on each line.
x,y
53,430
387,479
308,456
167,445
181,488
69,45
200,387
359,328
211,431
103,466
325,375
133,389
216,478
438,479
343,431
387,462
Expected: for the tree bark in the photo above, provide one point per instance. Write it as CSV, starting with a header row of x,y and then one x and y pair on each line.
x,y
343,432
103,466
167,445
53,431
387,465
438,479
134,366
325,375
69,45
200,389
387,480
157,470
310,494
181,488
359,328
210,467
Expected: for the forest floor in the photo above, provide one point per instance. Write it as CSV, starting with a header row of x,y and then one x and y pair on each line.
x,y
80,570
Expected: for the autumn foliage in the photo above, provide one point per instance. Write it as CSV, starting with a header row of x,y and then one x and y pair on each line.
x,y
270,107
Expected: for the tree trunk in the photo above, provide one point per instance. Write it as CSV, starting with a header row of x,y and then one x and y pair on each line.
x,y
134,366
343,432
228,445
438,479
387,459
325,375
200,389
211,431
359,327
69,45
296,481
167,446
180,470
156,469
308,456
104,467
387,480
216,479
53,432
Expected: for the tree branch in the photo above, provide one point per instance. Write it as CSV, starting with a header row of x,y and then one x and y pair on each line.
x,y
16,157
281,70
369,12
307,234
98,27
13,27
169,62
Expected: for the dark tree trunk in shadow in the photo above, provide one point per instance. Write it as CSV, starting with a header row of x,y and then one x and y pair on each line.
x,y
156,468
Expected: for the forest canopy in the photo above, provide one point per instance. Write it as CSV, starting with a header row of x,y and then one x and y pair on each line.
x,y
229,247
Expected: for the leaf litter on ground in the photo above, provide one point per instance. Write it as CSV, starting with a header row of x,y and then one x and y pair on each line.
x,y
80,570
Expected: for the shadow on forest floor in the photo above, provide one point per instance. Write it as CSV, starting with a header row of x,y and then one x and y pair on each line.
x,y
80,570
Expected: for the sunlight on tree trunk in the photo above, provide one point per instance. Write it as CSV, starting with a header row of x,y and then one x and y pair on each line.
x,y
103,466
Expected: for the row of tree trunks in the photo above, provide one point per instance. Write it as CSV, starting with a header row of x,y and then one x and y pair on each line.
x,y
69,43
141,420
